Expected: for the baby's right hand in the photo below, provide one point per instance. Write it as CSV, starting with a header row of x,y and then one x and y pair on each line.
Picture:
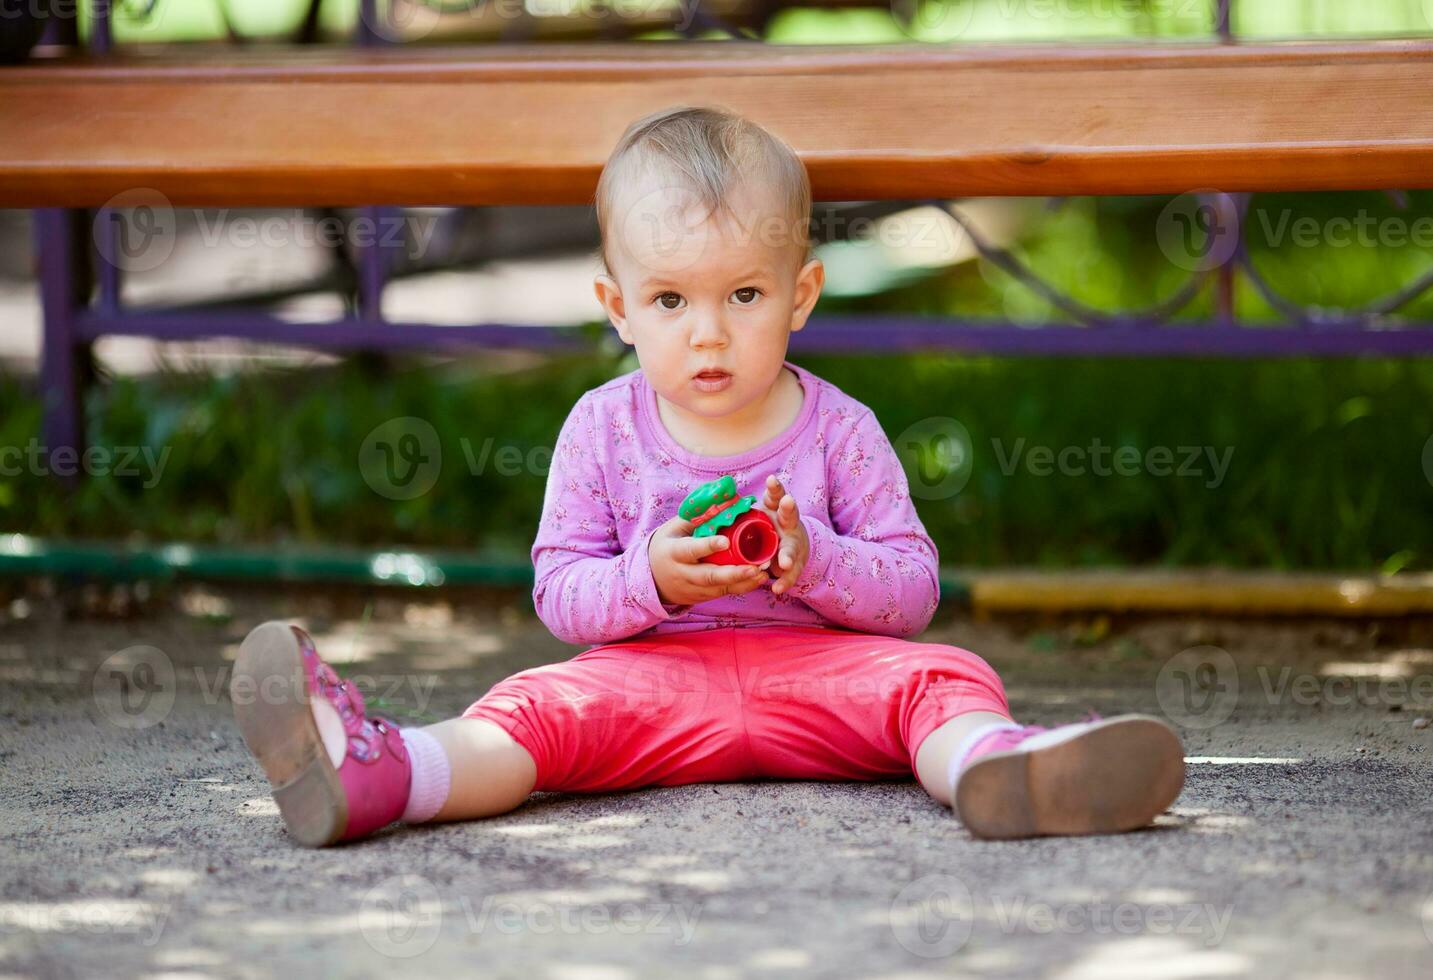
x,y
684,579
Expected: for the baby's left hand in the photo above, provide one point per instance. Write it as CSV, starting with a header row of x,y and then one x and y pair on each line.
x,y
791,554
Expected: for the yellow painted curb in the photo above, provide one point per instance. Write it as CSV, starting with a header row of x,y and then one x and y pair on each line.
x,y
1224,593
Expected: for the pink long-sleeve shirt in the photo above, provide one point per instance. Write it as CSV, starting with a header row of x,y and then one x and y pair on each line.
x,y
617,475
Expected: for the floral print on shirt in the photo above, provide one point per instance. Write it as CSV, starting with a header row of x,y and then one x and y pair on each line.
x,y
872,567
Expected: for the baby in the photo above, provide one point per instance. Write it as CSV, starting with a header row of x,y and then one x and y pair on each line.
x,y
799,668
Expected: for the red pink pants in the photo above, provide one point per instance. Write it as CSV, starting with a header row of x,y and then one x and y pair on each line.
x,y
735,704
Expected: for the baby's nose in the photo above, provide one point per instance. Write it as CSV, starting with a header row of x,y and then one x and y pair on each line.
x,y
709,332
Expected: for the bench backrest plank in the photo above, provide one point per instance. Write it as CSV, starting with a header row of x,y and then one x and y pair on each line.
x,y
533,124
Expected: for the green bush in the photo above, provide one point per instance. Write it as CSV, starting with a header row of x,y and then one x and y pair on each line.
x,y
1327,464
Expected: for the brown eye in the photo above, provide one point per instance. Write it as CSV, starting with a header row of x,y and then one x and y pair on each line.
x,y
662,299
746,295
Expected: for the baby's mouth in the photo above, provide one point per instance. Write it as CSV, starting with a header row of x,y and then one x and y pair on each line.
x,y
712,375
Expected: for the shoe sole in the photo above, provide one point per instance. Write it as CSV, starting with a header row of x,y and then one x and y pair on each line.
x,y
279,729
1117,776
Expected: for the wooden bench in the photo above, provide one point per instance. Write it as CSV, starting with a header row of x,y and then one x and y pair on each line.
x,y
532,124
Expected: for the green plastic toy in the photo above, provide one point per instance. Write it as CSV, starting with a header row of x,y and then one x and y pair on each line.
x,y
715,508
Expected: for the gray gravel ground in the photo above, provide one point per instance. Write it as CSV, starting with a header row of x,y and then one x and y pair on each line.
x,y
140,840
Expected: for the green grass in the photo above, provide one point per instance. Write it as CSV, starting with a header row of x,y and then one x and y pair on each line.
x,y
1325,459
1326,469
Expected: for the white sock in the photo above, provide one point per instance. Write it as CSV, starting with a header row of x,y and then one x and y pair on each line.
x,y
432,775
958,757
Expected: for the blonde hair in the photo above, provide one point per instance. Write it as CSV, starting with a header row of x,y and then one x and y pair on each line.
x,y
708,150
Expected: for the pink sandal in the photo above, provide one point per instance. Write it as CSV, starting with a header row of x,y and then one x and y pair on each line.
x,y
1102,776
344,788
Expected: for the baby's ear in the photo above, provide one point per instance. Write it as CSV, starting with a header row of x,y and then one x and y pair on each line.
x,y
808,290
609,294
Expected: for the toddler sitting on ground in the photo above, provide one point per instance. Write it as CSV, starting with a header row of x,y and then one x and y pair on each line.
x,y
799,668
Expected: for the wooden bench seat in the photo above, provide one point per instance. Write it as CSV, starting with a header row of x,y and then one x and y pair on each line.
x,y
532,124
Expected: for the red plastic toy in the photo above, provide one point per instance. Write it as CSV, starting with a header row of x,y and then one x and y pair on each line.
x,y
716,509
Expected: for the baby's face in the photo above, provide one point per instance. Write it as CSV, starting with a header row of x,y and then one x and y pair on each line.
x,y
697,292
